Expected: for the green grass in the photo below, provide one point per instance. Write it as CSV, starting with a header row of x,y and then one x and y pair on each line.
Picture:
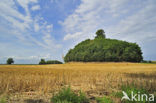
x,y
128,90
3,100
66,95
104,100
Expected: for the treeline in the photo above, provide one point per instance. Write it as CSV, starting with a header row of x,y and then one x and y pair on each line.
x,y
49,62
104,50
42,61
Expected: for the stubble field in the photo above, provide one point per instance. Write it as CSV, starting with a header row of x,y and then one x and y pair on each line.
x,y
23,83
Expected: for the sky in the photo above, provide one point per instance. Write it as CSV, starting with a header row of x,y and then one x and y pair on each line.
x,y
35,29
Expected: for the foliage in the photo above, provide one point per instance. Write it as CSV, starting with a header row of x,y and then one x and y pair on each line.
x,y
50,62
145,61
100,34
42,61
53,62
101,50
10,61
128,89
66,95
63,102
104,100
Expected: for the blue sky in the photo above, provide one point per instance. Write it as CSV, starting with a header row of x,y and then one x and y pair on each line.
x,y
35,29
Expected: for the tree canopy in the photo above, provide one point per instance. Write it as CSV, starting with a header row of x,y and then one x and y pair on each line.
x,y
42,61
10,61
49,62
104,50
100,34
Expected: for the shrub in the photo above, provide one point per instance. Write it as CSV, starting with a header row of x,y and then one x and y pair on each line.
x,y
50,62
66,95
53,62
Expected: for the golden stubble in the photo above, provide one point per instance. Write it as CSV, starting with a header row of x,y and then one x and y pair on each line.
x,y
98,78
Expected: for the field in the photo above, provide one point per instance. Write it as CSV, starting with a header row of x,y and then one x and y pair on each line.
x,y
30,83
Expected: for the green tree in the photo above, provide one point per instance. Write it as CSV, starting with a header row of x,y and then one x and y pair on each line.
x,y
42,61
10,61
100,34
53,62
103,49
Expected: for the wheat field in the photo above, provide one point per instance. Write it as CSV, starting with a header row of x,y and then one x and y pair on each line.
x,y
21,82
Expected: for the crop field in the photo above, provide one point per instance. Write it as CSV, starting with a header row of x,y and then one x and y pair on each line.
x,y
26,83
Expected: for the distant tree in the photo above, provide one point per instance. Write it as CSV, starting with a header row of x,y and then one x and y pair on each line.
x,y
42,61
10,61
53,62
100,34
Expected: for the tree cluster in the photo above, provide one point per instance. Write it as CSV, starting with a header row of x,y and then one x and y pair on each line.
x,y
104,50
49,62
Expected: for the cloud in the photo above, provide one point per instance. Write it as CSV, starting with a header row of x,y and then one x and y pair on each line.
x,y
37,57
73,36
36,7
25,3
49,28
121,19
140,24
134,21
24,26
36,27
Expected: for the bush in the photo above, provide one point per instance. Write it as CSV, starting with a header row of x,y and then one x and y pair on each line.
x,y
53,62
66,95
49,62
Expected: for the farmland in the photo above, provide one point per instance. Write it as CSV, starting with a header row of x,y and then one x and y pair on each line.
x,y
24,82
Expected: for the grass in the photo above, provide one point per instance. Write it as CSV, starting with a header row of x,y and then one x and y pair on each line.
x,y
3,100
104,100
128,90
68,96
139,91
95,79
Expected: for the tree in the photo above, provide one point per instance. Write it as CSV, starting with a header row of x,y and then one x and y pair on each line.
x,y
100,34
42,61
10,61
103,49
53,62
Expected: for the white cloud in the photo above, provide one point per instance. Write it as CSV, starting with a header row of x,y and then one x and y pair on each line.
x,y
140,24
23,26
36,27
36,7
121,19
73,36
25,3
37,57
49,28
